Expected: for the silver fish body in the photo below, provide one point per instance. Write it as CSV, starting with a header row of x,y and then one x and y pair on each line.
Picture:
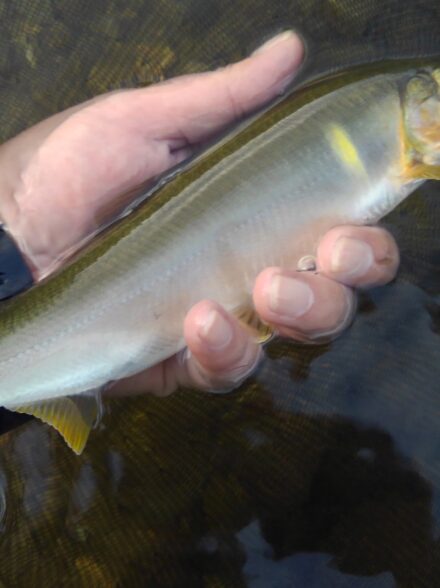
x,y
336,160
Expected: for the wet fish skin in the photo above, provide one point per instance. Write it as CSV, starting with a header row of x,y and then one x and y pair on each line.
x,y
120,308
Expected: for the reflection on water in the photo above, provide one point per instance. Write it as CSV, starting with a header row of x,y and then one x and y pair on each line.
x,y
324,470
301,569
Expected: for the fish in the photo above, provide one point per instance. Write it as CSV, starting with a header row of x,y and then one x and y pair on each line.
x,y
261,196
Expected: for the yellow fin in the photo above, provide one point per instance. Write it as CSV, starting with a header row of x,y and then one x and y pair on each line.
x,y
423,171
72,416
252,322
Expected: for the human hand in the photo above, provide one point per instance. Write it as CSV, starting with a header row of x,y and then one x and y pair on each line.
x,y
62,176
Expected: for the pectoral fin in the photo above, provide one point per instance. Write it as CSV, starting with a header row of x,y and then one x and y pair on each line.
x,y
252,322
72,416
423,171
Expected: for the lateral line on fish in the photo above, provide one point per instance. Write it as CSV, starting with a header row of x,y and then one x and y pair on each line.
x,y
141,289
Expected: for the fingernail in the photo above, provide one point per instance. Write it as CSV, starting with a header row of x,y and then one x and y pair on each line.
x,y
351,258
215,330
278,39
289,297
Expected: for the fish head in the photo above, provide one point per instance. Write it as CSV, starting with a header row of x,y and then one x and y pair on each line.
x,y
421,106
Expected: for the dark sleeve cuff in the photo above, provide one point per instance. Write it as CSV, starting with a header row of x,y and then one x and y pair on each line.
x,y
15,275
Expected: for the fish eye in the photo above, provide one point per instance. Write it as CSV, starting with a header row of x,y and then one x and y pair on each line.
x,y
422,86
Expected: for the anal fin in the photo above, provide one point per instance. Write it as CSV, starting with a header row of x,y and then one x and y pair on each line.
x,y
72,416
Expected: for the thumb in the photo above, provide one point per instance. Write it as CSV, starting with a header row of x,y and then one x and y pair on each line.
x,y
192,108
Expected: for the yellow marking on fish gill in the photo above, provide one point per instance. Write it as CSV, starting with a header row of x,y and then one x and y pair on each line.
x,y
344,148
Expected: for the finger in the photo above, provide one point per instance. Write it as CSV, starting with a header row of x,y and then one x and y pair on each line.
x,y
195,107
304,306
358,256
223,354
220,356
